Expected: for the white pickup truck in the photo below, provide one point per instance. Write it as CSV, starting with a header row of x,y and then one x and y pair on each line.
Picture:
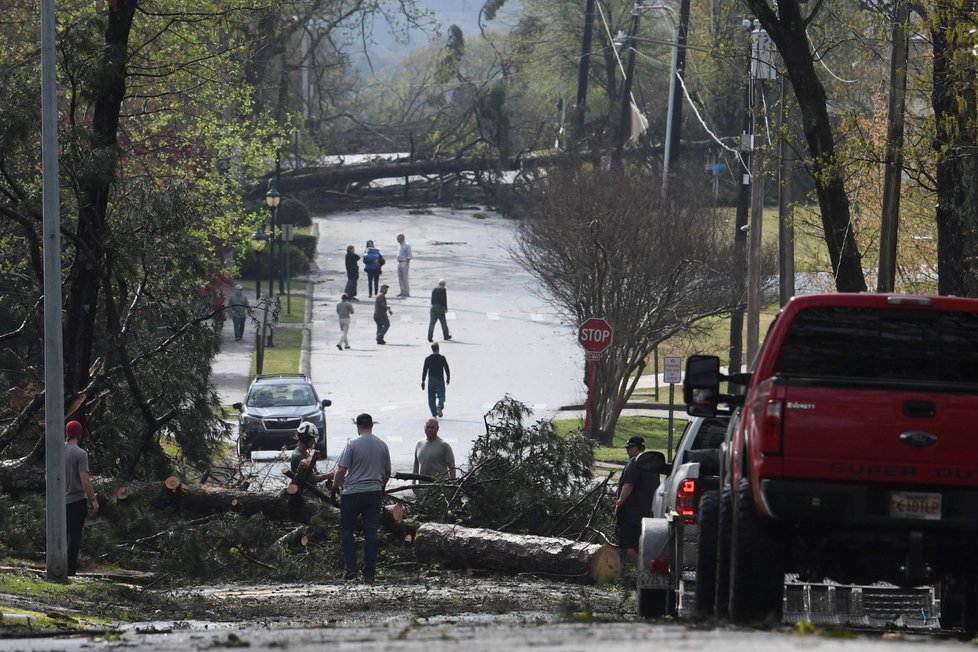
x,y
667,547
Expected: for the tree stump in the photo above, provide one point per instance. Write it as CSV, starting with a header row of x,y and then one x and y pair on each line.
x,y
479,549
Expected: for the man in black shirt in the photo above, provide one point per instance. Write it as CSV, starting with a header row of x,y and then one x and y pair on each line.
x,y
439,307
438,374
635,492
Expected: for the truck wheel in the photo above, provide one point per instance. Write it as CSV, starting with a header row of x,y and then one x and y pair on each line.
x,y
706,554
756,563
243,452
652,603
959,604
724,520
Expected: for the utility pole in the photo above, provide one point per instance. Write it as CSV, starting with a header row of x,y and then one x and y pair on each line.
x,y
761,68
740,233
893,165
786,228
756,225
625,121
674,117
56,533
583,69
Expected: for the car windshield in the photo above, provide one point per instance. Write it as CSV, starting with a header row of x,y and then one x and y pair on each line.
x,y
281,395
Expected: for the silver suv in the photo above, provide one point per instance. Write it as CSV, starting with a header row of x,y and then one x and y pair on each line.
x,y
273,409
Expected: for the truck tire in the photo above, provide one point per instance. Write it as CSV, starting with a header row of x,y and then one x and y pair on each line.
x,y
653,604
724,520
706,555
244,452
756,563
959,604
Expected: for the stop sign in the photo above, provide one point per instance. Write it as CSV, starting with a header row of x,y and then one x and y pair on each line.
x,y
595,335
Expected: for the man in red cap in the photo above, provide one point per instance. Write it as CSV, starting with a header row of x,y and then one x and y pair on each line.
x,y
78,487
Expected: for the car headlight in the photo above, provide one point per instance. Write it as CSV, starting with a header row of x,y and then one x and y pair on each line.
x,y
249,420
314,417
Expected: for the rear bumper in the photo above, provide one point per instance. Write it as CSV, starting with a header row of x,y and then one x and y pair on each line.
x,y
861,505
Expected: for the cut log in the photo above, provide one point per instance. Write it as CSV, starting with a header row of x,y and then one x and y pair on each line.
x,y
489,550
172,483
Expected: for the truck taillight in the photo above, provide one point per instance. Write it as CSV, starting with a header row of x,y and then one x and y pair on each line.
x,y
659,566
686,501
772,429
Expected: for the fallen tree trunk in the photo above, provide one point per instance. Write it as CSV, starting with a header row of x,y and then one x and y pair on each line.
x,y
202,500
478,549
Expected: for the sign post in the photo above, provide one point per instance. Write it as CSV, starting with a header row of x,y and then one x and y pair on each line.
x,y
673,374
595,335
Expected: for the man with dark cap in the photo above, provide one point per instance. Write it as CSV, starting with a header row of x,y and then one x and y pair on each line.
x,y
635,492
78,488
362,471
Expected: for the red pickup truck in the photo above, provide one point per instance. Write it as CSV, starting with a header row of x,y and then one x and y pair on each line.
x,y
852,455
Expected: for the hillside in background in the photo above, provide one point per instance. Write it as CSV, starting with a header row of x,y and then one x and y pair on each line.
x,y
387,52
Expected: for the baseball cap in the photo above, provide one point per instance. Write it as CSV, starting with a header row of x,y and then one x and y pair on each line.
x,y
634,441
365,419
384,287
73,429
238,287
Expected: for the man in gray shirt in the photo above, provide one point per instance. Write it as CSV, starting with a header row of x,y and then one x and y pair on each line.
x,y
362,471
433,456
78,490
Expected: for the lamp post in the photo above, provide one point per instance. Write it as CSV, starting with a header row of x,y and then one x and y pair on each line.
x,y
273,199
258,243
277,141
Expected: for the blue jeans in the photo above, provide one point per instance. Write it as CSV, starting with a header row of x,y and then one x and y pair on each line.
x,y
383,324
366,505
436,395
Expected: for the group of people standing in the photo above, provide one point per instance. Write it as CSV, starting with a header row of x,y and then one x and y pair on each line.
x,y
373,263
435,371
360,479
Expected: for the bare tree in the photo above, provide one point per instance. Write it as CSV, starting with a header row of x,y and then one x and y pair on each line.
x,y
604,244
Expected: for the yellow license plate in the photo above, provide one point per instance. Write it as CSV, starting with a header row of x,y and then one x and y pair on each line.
x,y
915,504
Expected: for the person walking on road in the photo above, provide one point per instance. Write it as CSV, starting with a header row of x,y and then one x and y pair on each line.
x,y
362,471
439,308
403,265
352,272
433,456
635,492
371,265
438,374
344,309
381,312
78,491
239,311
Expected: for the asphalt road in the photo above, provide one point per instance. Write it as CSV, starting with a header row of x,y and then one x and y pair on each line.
x,y
506,340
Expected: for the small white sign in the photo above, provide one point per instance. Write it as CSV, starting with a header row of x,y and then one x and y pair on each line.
x,y
673,373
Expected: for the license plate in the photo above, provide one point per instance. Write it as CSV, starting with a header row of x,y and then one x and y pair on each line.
x,y
915,504
647,580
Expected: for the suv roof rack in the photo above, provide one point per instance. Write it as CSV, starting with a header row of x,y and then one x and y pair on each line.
x,y
262,376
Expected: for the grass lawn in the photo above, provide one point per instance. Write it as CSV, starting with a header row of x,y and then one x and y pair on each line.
x,y
298,315
283,358
654,430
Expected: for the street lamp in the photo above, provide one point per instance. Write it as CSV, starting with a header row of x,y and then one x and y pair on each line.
x,y
258,243
277,140
273,199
